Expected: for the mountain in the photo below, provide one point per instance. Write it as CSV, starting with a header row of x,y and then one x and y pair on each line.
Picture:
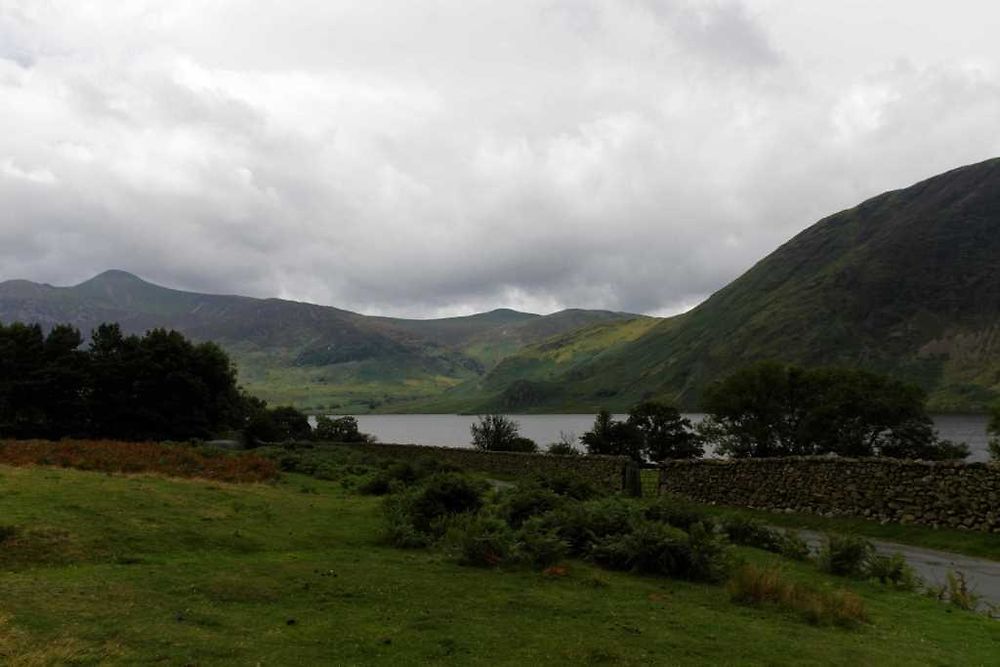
x,y
907,283
316,357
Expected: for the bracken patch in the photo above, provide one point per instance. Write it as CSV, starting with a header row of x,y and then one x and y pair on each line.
x,y
138,457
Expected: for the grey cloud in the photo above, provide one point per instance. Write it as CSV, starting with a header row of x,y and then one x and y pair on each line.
x,y
423,159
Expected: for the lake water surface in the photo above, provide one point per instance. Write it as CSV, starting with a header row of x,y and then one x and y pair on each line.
x,y
453,430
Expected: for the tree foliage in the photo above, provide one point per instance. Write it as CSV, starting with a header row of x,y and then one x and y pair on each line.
x,y
499,433
158,386
652,431
339,429
773,409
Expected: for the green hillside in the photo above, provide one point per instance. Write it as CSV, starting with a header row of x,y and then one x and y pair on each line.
x,y
316,357
907,283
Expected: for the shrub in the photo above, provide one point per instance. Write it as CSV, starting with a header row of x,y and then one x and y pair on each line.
x,y
753,585
479,541
845,555
567,484
656,548
539,547
678,512
650,548
399,530
522,444
751,533
402,472
892,570
521,503
563,449
710,556
794,547
584,523
443,495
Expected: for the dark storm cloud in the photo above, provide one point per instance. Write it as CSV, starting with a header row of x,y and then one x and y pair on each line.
x,y
431,158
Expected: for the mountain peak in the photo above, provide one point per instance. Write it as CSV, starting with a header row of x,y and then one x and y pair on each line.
x,y
114,277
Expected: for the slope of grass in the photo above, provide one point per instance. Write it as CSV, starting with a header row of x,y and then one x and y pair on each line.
x,y
113,569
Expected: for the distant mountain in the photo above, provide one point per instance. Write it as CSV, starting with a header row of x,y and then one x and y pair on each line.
x,y
907,283
317,357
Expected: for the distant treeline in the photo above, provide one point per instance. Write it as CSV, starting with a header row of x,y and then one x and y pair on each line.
x,y
157,386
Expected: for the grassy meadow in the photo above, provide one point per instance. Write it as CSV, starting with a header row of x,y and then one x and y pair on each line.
x,y
110,568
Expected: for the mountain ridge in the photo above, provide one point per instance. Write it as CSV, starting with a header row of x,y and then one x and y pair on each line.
x,y
318,357
905,283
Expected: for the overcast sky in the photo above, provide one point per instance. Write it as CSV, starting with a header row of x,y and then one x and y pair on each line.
x,y
436,157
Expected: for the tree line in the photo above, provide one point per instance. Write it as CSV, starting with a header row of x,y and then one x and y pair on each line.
x,y
765,410
158,386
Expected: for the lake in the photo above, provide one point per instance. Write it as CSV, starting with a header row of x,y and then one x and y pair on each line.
x,y
453,430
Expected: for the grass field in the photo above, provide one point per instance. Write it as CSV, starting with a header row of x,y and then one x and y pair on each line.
x,y
141,569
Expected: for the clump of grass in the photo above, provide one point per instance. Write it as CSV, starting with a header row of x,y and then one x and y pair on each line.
x,y
957,592
753,585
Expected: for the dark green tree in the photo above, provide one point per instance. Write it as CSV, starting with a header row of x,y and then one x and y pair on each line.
x,y
610,437
496,433
772,409
663,432
340,429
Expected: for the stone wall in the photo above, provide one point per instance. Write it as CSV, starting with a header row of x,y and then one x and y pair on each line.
x,y
604,472
955,495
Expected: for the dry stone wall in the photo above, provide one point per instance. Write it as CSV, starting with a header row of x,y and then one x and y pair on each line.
x,y
952,495
604,472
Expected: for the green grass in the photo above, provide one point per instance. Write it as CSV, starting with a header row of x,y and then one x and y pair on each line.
x,y
114,569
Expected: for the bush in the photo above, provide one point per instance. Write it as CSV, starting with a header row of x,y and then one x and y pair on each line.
x,y
479,541
567,484
794,547
892,570
381,484
522,444
539,547
678,512
399,530
846,555
751,533
755,585
521,503
563,449
656,548
443,495
956,590
584,523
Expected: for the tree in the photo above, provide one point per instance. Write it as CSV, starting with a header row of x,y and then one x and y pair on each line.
x,y
609,437
341,429
159,386
663,432
497,433
772,409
